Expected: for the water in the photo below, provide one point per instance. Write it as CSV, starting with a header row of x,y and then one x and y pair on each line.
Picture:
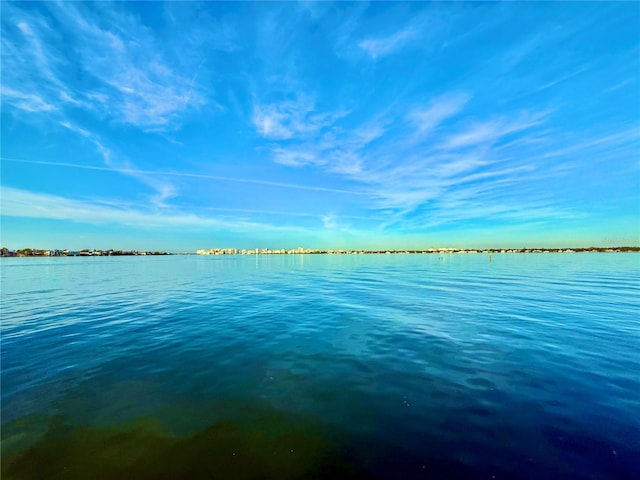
x,y
322,366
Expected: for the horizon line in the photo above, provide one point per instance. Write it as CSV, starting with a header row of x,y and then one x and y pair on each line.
x,y
290,251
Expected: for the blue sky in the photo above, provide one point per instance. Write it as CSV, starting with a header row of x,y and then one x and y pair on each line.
x,y
326,125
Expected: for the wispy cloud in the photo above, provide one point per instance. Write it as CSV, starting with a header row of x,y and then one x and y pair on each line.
x,y
74,128
143,89
32,78
628,137
163,190
426,119
621,84
296,157
490,131
29,102
160,173
28,204
383,46
130,80
44,59
417,178
564,77
292,118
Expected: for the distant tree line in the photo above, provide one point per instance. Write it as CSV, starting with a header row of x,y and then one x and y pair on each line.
x,y
37,252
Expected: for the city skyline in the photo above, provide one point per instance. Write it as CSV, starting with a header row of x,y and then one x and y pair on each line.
x,y
29,252
153,126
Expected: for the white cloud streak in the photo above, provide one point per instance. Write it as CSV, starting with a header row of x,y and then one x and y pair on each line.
x,y
29,102
415,177
131,81
383,46
131,171
27,204
491,131
289,119
163,189
439,110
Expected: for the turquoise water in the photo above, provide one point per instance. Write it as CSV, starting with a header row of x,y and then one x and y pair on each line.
x,y
309,366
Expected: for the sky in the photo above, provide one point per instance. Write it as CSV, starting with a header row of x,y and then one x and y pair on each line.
x,y
179,126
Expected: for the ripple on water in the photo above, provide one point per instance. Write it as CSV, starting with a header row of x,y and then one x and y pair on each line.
x,y
403,365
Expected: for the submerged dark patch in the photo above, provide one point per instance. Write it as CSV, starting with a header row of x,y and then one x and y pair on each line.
x,y
268,447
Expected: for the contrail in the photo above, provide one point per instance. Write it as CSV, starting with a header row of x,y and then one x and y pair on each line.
x,y
185,174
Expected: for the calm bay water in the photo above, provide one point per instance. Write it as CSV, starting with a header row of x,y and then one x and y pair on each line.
x,y
318,366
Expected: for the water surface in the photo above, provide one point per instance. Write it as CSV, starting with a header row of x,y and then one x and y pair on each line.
x,y
319,366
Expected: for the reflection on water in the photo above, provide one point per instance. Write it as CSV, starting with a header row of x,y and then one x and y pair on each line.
x,y
387,366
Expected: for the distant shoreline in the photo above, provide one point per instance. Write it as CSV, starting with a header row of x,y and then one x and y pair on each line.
x,y
28,252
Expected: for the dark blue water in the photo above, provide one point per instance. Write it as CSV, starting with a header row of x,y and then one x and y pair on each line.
x,y
385,366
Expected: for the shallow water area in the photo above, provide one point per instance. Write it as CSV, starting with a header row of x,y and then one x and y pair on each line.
x,y
366,366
